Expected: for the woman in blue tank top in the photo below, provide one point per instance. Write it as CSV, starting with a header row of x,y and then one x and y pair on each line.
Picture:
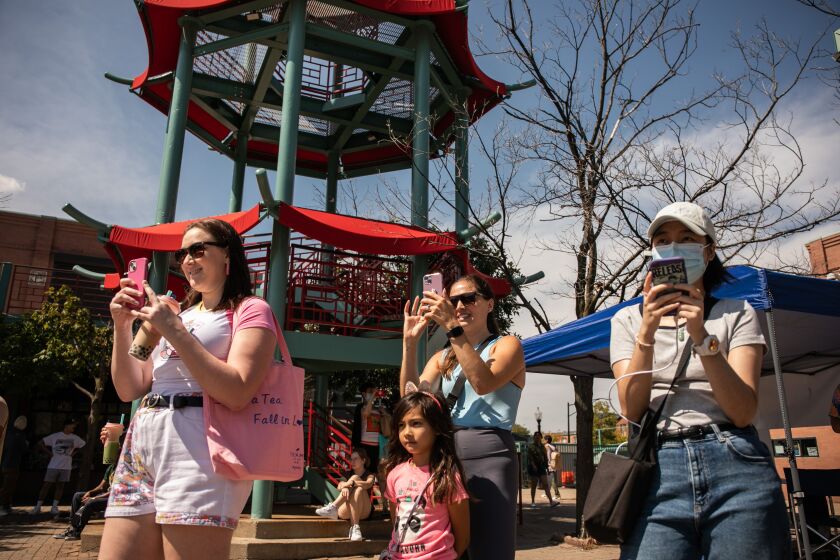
x,y
493,371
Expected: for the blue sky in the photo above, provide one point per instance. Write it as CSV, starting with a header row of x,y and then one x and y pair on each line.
x,y
69,135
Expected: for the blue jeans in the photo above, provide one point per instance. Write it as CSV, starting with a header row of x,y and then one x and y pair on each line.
x,y
715,497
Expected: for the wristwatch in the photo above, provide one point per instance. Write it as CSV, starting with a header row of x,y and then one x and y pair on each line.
x,y
455,332
710,346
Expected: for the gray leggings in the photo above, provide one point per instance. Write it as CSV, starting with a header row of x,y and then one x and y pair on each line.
x,y
489,460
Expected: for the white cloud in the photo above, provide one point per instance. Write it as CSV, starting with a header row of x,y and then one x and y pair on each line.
x,y
10,185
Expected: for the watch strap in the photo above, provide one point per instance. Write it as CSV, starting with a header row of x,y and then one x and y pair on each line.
x,y
455,332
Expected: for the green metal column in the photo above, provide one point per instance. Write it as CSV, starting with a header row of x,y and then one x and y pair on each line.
x,y
261,503
462,171
420,158
176,127
239,166
332,182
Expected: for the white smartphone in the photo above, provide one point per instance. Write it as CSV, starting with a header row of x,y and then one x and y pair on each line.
x,y
433,283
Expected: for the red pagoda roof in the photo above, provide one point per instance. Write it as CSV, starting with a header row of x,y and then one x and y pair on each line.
x,y
160,19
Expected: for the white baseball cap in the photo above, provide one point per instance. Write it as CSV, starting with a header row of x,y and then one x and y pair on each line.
x,y
689,214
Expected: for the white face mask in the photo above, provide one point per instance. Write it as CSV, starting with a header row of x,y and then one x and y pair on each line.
x,y
694,255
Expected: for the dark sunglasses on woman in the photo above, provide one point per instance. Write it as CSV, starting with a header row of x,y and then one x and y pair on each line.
x,y
467,299
196,250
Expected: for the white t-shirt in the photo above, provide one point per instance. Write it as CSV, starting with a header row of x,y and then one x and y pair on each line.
x,y
62,449
692,402
213,329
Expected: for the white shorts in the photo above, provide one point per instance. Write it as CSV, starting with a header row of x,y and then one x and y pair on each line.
x,y
165,469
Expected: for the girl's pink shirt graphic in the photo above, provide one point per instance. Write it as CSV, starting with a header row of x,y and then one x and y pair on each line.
x,y
429,535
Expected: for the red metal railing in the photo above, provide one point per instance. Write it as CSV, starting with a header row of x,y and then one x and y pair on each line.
x,y
29,285
257,254
345,293
328,444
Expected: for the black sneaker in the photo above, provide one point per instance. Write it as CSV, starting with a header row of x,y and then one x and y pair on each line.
x,y
63,534
72,536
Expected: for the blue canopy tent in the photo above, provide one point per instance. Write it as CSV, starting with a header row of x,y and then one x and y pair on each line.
x,y
800,317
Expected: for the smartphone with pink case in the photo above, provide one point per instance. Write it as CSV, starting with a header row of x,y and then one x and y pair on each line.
x,y
433,283
138,270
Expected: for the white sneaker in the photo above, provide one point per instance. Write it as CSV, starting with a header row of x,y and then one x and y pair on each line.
x,y
35,510
328,510
356,533
54,510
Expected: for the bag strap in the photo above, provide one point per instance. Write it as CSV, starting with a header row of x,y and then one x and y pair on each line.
x,y
461,380
650,421
285,355
411,513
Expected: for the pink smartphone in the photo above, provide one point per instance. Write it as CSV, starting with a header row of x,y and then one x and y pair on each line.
x,y
433,283
138,270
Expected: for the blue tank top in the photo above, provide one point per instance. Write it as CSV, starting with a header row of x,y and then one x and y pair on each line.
x,y
493,410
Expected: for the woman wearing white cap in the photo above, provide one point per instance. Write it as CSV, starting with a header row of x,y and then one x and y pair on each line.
x,y
715,493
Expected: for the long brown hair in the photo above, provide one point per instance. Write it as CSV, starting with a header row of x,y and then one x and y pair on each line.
x,y
238,282
444,464
483,289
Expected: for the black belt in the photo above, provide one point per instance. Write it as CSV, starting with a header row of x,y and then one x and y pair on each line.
x,y
154,400
693,432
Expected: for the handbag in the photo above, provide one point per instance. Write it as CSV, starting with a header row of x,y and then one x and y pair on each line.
x,y
388,553
620,485
263,440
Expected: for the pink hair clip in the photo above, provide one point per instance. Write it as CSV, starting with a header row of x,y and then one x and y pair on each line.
x,y
424,388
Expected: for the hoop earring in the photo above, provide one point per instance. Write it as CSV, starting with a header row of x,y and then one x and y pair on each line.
x,y
227,268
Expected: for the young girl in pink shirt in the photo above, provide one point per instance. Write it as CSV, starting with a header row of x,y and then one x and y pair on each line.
x,y
425,481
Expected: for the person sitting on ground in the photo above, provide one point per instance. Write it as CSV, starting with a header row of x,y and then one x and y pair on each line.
x,y
354,501
63,446
85,504
538,469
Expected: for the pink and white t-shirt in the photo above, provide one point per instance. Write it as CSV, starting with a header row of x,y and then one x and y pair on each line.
x,y
429,535
213,329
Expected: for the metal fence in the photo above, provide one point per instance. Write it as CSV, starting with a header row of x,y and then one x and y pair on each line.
x,y
27,287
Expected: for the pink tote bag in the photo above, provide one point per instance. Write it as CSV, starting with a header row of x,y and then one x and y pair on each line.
x,y
264,440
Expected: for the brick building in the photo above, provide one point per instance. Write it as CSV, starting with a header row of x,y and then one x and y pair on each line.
x,y
37,252
824,254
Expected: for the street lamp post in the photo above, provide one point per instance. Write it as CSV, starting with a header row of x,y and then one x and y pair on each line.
x,y
568,421
538,416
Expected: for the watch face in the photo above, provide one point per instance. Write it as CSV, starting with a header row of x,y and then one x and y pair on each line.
x,y
714,344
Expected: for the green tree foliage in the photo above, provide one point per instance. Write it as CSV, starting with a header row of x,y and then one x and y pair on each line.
x,y
606,421
520,430
59,345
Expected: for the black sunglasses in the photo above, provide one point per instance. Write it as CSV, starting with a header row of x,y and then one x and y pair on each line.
x,y
196,250
467,299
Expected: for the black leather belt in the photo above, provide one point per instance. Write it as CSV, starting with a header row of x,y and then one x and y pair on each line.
x,y
154,400
693,432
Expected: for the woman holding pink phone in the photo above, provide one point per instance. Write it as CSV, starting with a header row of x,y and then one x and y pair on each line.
x,y
166,501
482,373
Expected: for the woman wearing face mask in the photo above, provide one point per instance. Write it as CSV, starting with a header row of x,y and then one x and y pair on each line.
x,y
715,493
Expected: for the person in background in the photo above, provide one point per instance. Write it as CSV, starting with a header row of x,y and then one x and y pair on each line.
x,y
551,453
85,504
13,452
538,469
834,411
367,420
63,446
353,502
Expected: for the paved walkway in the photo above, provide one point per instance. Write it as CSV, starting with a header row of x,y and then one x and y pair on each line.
x,y
23,537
